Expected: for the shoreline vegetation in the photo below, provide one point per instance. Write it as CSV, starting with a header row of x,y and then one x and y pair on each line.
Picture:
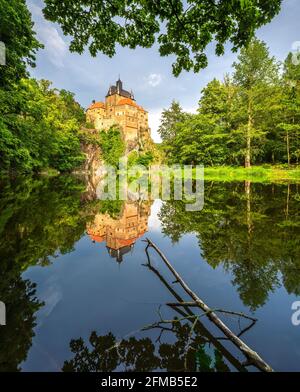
x,y
264,173
255,174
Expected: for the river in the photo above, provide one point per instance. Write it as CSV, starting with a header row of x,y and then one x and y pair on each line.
x,y
79,295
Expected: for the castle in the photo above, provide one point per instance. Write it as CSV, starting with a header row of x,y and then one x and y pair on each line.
x,y
121,234
120,109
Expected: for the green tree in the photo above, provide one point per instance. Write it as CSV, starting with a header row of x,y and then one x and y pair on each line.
x,y
169,118
39,125
254,72
39,128
199,140
112,146
184,29
16,31
289,122
220,102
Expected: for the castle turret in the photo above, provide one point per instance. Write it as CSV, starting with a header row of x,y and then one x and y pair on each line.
x,y
119,86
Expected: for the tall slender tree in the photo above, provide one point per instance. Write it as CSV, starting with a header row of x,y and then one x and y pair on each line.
x,y
169,118
253,72
290,109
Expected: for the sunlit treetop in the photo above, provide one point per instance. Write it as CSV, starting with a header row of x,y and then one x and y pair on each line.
x,y
181,28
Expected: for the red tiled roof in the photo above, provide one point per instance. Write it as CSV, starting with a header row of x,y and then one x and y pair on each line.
x,y
128,101
97,238
97,105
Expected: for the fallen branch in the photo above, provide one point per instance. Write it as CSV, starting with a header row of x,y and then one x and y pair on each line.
x,y
194,304
200,328
252,357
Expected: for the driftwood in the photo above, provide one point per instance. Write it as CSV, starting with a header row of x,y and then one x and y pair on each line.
x,y
252,357
200,329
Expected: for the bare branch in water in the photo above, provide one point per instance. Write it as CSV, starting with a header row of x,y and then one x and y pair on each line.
x,y
252,358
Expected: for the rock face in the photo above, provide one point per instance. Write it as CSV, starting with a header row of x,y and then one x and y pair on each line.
x,y
93,156
121,109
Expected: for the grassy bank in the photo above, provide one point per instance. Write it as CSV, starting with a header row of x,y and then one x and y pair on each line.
x,y
266,173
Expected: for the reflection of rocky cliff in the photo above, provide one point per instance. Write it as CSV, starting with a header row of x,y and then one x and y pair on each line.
x,y
120,234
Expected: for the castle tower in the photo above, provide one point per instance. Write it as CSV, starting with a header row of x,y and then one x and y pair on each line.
x,y
120,109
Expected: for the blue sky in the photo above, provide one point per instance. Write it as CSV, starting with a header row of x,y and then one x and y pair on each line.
x,y
143,70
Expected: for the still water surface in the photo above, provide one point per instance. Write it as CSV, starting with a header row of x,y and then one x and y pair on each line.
x,y
78,294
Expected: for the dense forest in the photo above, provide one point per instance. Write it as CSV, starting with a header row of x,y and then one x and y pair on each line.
x,y
251,117
39,125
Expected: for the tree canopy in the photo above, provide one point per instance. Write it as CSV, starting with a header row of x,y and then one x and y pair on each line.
x,y
39,128
16,32
251,117
39,125
181,28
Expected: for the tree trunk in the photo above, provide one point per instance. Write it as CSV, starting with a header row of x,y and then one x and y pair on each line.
x,y
248,198
248,134
287,201
288,147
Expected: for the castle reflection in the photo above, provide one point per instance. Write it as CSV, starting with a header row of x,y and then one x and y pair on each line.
x,y
121,233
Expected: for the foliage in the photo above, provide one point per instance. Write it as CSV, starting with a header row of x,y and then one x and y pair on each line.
x,y
39,127
201,139
144,158
169,118
16,31
183,29
288,126
112,146
250,118
255,74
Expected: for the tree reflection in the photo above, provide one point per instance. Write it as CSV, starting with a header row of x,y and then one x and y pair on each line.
x,y
38,218
104,353
253,230
16,336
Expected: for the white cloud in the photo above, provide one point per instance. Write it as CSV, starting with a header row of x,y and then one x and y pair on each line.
x,y
55,46
34,9
154,79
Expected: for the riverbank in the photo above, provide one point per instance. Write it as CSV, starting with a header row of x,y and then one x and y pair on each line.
x,y
219,173
264,173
